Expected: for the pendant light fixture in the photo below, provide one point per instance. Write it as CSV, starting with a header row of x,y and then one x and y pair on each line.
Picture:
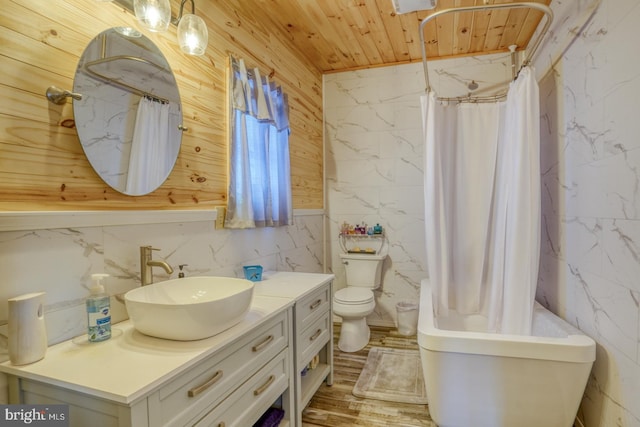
x,y
192,31
153,14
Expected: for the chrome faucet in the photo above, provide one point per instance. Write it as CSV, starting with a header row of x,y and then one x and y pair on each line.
x,y
146,263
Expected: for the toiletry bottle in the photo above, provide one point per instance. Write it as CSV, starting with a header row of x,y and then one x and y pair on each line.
x,y
98,310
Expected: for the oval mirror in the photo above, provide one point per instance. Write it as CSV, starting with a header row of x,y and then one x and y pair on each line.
x,y
129,119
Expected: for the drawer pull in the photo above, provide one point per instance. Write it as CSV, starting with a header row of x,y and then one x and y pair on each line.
x,y
264,386
221,424
315,305
211,381
260,346
316,335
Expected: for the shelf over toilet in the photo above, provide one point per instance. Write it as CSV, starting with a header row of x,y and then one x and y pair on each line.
x,y
353,243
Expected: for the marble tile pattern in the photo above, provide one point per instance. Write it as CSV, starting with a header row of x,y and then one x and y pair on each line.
x,y
589,73
589,76
60,262
374,162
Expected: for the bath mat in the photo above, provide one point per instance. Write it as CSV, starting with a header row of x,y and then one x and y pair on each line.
x,y
393,375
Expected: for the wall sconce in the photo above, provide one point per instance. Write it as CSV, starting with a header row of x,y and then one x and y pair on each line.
x,y
155,15
193,35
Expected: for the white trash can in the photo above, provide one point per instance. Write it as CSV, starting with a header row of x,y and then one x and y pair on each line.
x,y
407,312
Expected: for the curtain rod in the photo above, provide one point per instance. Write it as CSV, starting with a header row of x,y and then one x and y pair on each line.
x,y
106,59
518,5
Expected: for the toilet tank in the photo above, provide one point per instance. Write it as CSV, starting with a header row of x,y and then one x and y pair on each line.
x,y
363,270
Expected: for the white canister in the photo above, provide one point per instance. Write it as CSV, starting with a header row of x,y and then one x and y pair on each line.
x,y
27,332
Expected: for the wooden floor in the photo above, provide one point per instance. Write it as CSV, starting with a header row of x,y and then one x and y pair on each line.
x,y
336,406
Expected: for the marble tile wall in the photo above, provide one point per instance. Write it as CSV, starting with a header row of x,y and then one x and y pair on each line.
x,y
374,163
589,73
60,262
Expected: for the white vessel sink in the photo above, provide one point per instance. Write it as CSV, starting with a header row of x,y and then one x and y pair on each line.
x,y
188,309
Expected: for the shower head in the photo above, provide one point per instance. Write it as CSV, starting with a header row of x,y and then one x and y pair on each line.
x,y
473,85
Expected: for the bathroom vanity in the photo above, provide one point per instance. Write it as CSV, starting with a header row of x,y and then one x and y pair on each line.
x,y
230,379
312,328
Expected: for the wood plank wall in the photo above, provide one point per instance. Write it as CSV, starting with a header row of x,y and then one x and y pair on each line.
x,y
42,165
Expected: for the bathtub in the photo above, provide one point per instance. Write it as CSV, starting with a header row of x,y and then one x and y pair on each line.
x,y
480,379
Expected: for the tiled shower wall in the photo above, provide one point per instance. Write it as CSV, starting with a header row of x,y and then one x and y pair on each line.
x,y
589,74
590,263
374,162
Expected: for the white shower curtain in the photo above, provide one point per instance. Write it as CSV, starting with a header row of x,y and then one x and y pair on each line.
x,y
482,205
151,156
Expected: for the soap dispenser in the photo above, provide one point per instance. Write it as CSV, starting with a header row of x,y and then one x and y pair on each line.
x,y
98,310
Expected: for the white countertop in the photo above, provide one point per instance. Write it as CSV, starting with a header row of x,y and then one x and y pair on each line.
x,y
286,284
130,365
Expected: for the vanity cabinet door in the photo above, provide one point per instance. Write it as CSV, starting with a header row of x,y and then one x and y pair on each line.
x,y
207,384
84,410
312,306
312,339
313,335
244,406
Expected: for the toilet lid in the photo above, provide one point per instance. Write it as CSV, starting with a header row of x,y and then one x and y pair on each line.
x,y
354,295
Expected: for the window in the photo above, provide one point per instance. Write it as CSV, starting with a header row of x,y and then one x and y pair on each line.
x,y
259,168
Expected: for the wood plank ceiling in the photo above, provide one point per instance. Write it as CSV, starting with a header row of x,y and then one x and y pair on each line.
x,y
340,35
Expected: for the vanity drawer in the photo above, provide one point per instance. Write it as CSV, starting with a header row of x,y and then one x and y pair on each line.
x,y
253,398
205,385
312,339
310,307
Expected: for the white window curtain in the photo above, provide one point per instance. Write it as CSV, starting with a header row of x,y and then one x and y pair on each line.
x,y
259,169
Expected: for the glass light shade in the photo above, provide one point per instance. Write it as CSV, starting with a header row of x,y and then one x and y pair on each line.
x,y
193,35
128,32
153,14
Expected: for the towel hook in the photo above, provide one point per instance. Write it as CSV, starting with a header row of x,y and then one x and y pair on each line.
x,y
59,96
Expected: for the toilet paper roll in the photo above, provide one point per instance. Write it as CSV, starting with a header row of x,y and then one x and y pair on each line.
x,y
27,332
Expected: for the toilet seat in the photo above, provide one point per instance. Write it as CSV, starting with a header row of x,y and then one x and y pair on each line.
x,y
353,296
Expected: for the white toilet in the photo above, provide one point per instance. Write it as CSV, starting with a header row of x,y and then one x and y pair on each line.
x,y
355,302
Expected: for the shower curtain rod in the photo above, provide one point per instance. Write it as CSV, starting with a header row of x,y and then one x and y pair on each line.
x,y
517,5
106,59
